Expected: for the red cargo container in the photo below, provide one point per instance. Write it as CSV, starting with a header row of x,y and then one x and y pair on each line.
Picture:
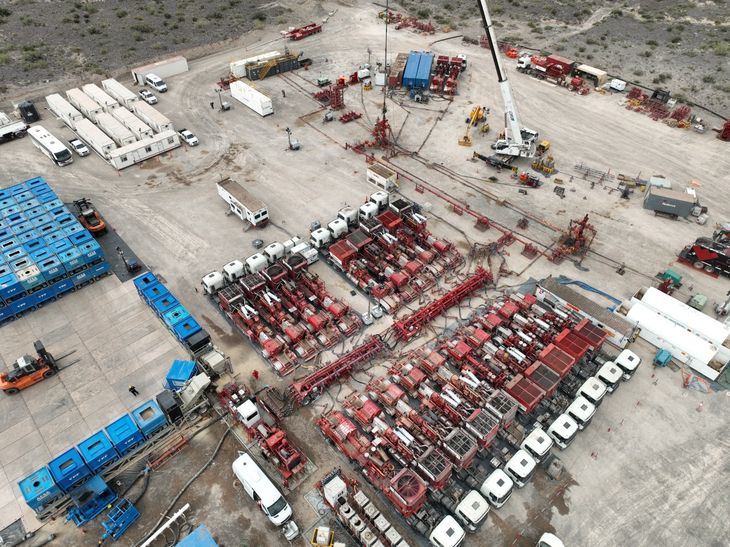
x,y
395,73
508,309
545,377
526,392
557,359
390,220
342,252
572,344
595,336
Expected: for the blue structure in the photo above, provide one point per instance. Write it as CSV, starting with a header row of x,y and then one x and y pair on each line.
x,y
149,417
180,372
121,517
423,75
410,74
200,537
90,499
39,490
98,451
44,250
124,433
69,469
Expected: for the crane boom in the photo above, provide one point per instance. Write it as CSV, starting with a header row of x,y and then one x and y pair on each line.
x,y
518,141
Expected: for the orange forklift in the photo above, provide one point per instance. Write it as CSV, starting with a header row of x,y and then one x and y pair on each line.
x,y
28,371
89,217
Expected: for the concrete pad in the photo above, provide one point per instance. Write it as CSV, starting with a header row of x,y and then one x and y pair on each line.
x,y
18,448
61,422
9,513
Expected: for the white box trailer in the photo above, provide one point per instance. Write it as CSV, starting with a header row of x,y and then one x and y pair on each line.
x,y
238,68
121,93
242,204
88,106
144,149
152,117
64,110
164,69
95,137
382,177
255,100
100,96
138,128
114,128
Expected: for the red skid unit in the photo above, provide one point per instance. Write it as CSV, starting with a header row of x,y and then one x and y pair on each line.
x,y
312,386
409,327
303,32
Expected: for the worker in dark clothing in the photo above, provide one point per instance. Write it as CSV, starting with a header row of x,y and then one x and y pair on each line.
x,y
212,105
133,390
283,93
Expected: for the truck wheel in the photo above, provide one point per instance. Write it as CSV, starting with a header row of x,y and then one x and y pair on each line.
x,y
49,373
11,391
709,268
699,265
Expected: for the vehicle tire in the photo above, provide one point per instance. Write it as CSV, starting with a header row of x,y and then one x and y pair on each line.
x,y
11,391
49,373
709,268
697,264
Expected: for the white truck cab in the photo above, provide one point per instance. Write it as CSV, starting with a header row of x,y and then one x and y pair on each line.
x,y
213,282
610,374
537,444
260,488
338,228
563,431
593,390
497,488
381,199
628,362
349,215
320,237
520,468
447,533
549,540
153,80
368,210
472,510
582,411
234,270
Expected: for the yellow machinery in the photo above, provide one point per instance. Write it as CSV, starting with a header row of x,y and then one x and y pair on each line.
x,y
543,147
368,86
268,66
545,164
476,116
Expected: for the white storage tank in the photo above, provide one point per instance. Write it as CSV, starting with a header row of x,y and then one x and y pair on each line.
x,y
95,137
256,263
274,252
84,103
255,100
212,282
100,96
234,270
114,128
64,110
121,93
337,228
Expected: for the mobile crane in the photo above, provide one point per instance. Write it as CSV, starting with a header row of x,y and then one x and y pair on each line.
x,y
518,141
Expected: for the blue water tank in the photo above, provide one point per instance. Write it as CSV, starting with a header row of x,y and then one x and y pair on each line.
x,y
79,237
98,451
145,280
90,251
71,258
186,328
153,292
411,71
39,489
200,537
149,417
164,303
58,243
124,433
179,373
173,316
69,469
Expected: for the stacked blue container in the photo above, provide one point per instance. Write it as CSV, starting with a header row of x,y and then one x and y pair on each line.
x,y
173,314
44,251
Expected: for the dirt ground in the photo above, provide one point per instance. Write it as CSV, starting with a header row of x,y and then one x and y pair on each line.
x,y
656,443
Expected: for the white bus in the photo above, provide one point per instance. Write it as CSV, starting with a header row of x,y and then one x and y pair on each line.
x,y
50,146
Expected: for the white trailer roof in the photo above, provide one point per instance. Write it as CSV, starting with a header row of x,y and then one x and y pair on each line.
x,y
93,135
692,319
114,128
690,346
82,100
99,95
151,113
61,107
132,122
120,91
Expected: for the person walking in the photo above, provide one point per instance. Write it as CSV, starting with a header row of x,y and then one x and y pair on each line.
x,y
133,390
212,105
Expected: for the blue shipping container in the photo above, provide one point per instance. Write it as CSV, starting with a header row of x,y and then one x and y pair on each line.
x,y
8,243
57,211
175,315
186,328
53,204
411,71
40,254
22,196
12,209
79,237
423,77
47,229
149,417
22,227
25,237
57,242
46,197
200,537
36,211
16,253
30,278
65,220
91,251
98,451
69,469
39,489
29,205
145,280
10,287
153,292
71,259
41,220
179,373
124,433
34,245
40,297
73,229
164,303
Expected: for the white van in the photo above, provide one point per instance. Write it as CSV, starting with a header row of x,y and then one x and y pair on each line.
x,y
153,80
258,486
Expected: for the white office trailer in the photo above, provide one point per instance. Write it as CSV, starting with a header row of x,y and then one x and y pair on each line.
x,y
114,128
88,106
238,68
95,138
250,97
152,117
64,110
144,149
101,97
164,69
138,128
121,93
